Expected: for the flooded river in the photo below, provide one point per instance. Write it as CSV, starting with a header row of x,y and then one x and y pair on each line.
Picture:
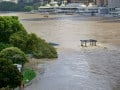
x,y
77,68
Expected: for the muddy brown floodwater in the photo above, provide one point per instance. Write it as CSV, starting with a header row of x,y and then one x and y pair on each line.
x,y
90,68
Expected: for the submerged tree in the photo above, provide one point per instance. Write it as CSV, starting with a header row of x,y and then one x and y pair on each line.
x,y
39,48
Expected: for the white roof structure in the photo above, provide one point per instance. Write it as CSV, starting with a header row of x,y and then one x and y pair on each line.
x,y
80,6
62,5
51,5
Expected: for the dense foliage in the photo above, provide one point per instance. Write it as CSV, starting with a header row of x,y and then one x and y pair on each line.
x,y
12,33
9,26
9,74
28,8
4,45
39,48
19,39
24,5
14,54
11,6
8,6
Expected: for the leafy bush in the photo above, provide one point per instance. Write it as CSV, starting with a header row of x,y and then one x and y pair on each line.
x,y
9,74
45,50
39,48
8,26
4,45
12,32
32,43
14,54
19,40
28,8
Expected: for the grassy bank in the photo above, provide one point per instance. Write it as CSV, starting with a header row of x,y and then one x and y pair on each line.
x,y
28,75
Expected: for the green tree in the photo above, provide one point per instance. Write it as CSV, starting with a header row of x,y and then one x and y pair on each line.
x,y
40,48
14,54
4,45
8,26
28,8
19,40
36,5
8,6
12,32
32,43
9,74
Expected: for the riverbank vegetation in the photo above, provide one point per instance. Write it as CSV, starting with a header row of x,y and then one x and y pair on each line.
x,y
9,74
15,55
12,61
15,45
12,33
11,6
28,75
39,48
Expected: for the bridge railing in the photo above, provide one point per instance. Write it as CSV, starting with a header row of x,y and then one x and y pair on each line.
x,y
91,42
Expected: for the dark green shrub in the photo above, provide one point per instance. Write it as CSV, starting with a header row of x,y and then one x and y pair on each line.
x,y
14,54
9,74
19,39
12,32
39,48
8,26
4,45
28,8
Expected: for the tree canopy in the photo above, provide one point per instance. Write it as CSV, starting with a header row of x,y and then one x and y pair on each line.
x,y
8,6
9,26
4,45
12,33
9,74
39,48
28,8
14,54
19,39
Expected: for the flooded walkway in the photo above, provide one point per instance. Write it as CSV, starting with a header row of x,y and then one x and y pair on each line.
x,y
77,68
97,69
